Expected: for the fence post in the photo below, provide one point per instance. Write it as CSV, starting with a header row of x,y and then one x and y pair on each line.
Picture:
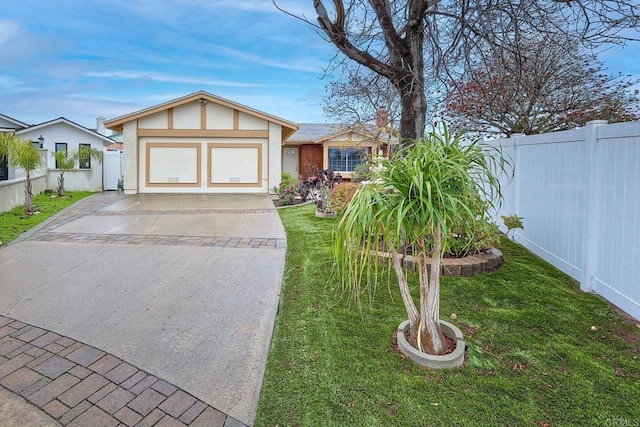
x,y
592,233
515,184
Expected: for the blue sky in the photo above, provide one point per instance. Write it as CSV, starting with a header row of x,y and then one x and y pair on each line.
x,y
81,59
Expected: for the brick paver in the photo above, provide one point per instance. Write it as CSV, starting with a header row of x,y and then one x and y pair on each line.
x,y
92,206
76,384
158,240
69,380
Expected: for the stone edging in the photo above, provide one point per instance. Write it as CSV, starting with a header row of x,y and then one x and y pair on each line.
x,y
451,360
308,202
467,266
80,385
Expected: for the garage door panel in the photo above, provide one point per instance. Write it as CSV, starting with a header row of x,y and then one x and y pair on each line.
x,y
235,165
173,165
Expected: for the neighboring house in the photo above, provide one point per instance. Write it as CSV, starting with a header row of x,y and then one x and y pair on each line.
x,y
62,133
8,125
331,146
201,143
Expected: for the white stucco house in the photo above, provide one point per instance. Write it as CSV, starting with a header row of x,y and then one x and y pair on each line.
x,y
62,133
49,137
201,143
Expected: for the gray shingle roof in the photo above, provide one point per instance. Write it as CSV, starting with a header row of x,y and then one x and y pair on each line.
x,y
312,132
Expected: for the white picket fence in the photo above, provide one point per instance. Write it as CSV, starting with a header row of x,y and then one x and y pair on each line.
x,y
579,194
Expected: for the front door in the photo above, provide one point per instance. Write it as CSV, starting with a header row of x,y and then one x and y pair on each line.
x,y
291,161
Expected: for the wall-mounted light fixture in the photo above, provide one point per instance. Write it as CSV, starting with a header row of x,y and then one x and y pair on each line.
x,y
38,143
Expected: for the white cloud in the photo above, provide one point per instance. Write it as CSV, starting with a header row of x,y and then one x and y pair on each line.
x,y
8,31
9,84
165,78
301,64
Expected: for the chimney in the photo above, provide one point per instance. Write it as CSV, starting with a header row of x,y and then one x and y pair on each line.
x,y
381,118
100,126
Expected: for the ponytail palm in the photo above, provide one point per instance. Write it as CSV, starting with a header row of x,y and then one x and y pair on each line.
x,y
418,197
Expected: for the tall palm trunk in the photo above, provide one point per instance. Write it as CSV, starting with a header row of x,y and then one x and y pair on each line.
x,y
28,196
60,188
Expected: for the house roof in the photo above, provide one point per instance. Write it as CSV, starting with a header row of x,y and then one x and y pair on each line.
x,y
117,123
116,146
67,122
18,123
314,133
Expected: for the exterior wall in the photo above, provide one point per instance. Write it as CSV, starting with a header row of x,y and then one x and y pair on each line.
x,y
76,180
578,193
7,124
310,159
346,140
219,116
12,191
274,162
79,179
154,121
245,121
131,155
187,116
201,147
61,132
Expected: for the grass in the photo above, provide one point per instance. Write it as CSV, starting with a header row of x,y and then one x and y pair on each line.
x,y
533,359
14,222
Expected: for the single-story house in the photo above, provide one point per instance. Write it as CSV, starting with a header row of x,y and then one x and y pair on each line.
x,y
332,146
201,143
49,137
53,136
8,125
63,134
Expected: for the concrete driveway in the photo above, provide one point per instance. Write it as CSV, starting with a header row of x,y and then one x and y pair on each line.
x,y
185,287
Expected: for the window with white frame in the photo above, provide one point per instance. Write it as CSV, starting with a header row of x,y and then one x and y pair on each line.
x,y
345,159
84,157
59,147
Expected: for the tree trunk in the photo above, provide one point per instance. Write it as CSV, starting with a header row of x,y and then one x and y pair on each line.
x,y
60,188
414,111
409,305
28,196
432,340
404,67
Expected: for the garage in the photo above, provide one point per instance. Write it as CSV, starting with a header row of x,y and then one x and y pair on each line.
x,y
201,143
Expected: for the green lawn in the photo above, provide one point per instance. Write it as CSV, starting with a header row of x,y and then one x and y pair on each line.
x,y
532,356
14,222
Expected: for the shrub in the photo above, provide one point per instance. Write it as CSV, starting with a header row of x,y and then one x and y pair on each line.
x,y
286,191
319,187
361,172
342,194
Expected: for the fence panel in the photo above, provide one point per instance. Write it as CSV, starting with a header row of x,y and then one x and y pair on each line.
x,y
616,270
579,194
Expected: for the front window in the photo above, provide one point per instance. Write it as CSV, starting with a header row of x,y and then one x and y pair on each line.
x,y
84,157
4,170
59,147
345,159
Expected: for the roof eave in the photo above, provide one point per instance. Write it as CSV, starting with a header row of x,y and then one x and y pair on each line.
x,y
117,124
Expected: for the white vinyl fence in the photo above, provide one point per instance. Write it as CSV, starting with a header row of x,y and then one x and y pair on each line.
x,y
579,194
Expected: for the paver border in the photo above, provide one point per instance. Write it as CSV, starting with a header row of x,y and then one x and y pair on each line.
x,y
80,385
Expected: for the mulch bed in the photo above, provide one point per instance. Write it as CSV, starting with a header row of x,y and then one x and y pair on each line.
x,y
451,344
